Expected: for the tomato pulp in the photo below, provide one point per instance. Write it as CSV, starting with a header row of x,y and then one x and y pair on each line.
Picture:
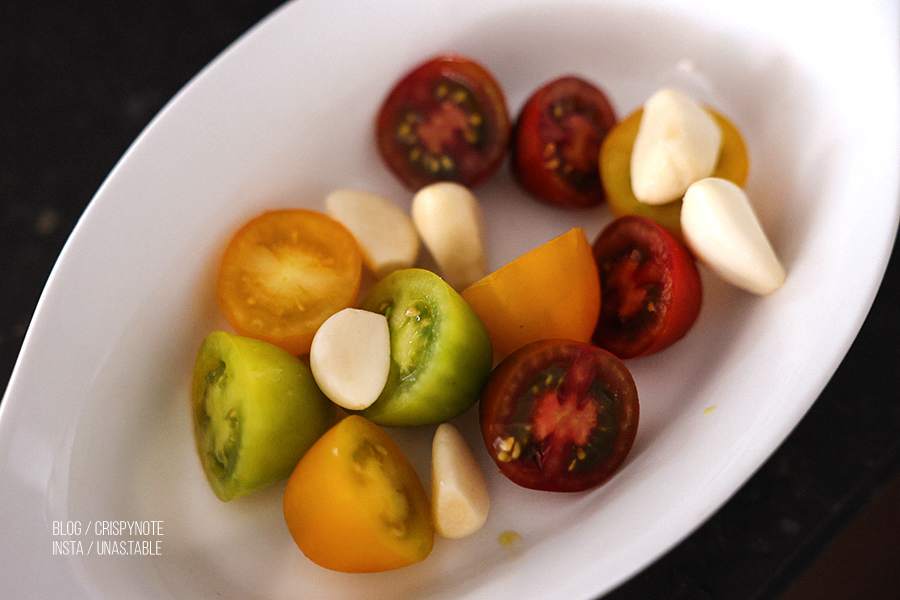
x,y
650,286
558,415
285,272
446,120
556,141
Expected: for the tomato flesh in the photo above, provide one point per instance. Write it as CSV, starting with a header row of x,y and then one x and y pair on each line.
x,y
256,409
650,285
286,271
355,504
446,120
441,353
559,415
556,142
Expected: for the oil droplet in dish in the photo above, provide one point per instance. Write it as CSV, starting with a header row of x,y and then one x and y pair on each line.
x,y
509,540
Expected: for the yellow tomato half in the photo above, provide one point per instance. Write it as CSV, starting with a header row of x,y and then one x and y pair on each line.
x,y
284,273
615,170
552,291
355,504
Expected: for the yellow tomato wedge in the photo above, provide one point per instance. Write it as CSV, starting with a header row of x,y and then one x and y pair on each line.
x,y
615,170
355,504
552,291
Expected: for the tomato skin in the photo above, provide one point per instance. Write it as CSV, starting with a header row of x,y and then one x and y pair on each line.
x,y
446,120
556,141
650,284
355,504
520,302
284,272
255,410
615,170
558,415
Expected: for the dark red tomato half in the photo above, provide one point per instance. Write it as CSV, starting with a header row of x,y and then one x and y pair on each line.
x,y
650,287
558,415
556,143
446,120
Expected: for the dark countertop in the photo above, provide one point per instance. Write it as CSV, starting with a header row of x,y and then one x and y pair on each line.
x,y
80,82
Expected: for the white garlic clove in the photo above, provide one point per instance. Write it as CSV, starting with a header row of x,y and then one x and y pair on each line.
x,y
385,232
678,143
722,229
350,357
459,496
449,220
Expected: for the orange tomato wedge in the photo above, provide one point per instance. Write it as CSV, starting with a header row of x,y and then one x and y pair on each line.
x,y
552,291
355,504
285,272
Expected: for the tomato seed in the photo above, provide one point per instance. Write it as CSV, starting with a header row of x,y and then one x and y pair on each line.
x,y
516,451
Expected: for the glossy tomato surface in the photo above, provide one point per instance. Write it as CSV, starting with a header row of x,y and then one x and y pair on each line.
x,y
615,170
355,504
441,354
650,284
256,409
552,291
446,120
559,415
556,142
285,272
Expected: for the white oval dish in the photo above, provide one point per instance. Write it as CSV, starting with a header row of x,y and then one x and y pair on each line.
x,y
95,427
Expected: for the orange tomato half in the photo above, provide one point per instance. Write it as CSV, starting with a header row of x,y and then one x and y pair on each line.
x,y
552,291
615,170
284,273
355,504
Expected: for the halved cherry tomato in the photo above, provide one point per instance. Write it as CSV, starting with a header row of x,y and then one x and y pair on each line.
x,y
556,141
650,284
256,409
440,351
284,273
355,504
552,291
615,170
559,415
446,120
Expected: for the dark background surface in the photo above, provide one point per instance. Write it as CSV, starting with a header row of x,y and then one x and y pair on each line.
x,y
81,80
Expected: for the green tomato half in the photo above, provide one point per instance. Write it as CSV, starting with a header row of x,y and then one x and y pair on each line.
x,y
256,411
441,354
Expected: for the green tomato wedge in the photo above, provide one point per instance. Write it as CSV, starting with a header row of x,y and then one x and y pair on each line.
x,y
441,354
256,411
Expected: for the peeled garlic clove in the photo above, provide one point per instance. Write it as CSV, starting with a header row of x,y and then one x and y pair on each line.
x,y
350,357
677,143
385,233
449,220
722,229
459,497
